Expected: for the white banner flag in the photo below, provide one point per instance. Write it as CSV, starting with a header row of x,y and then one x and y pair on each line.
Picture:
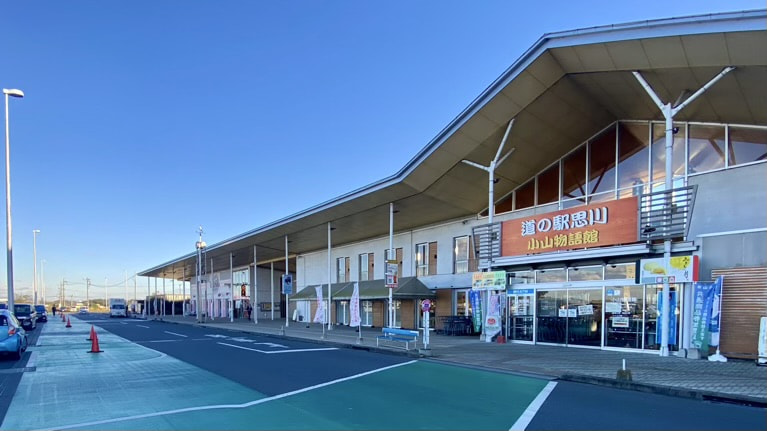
x,y
354,307
319,316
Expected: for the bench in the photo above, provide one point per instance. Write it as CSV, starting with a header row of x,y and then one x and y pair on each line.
x,y
402,335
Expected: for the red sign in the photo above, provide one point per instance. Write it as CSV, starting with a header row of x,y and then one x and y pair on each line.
x,y
596,225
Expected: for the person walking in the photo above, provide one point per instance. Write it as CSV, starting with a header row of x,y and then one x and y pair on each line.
x,y
54,310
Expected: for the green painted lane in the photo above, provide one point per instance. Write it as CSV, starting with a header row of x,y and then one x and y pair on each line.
x,y
419,395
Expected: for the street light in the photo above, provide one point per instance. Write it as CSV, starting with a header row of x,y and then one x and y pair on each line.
x,y
34,252
19,94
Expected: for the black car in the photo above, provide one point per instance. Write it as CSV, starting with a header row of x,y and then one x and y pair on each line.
x,y
42,315
26,314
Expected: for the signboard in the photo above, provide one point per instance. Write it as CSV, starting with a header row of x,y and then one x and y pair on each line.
x,y
584,310
703,301
682,269
520,291
287,284
495,280
476,314
620,321
606,223
425,305
391,274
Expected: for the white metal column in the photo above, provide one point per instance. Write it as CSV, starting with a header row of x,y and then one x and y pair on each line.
x,y
231,287
271,281
669,112
391,253
254,283
330,300
287,297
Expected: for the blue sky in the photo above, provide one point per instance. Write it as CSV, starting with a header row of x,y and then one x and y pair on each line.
x,y
145,119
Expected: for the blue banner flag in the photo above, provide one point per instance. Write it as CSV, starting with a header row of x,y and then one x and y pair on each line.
x,y
671,319
476,309
716,312
703,301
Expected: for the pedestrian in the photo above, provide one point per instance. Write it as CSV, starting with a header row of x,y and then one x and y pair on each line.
x,y
54,310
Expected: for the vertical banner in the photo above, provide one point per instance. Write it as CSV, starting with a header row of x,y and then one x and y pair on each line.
x,y
354,306
319,315
671,319
703,301
716,312
476,309
493,319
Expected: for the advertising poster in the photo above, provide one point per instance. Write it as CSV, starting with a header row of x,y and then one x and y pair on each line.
x,y
476,307
671,319
703,301
354,306
319,315
716,314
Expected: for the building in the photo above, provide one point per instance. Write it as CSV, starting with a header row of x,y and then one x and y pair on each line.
x,y
574,204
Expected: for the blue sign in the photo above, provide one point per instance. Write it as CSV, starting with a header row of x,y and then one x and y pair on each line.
x,y
716,312
476,309
520,291
287,284
671,319
703,300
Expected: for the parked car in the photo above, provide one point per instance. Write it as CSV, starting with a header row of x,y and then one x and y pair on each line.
x,y
13,338
42,315
26,314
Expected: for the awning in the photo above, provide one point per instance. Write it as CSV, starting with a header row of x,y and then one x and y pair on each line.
x,y
310,293
409,288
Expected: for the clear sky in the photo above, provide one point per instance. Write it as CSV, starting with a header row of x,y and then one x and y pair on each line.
x,y
145,119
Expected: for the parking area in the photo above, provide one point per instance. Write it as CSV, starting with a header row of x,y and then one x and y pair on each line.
x,y
153,383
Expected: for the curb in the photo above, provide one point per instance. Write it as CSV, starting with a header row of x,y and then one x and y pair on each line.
x,y
665,390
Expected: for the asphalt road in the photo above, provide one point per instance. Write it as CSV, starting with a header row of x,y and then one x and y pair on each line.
x,y
334,390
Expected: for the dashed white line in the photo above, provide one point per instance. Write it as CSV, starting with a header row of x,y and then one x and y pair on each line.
x,y
142,326
532,409
227,406
173,333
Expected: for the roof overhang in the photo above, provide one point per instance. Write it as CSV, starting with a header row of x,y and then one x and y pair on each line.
x,y
564,89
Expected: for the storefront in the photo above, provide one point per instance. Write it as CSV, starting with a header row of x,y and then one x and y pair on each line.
x,y
579,277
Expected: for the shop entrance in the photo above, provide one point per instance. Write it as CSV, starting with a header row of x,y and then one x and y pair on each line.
x,y
520,318
570,316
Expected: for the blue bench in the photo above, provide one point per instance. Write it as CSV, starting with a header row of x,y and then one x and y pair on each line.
x,y
401,335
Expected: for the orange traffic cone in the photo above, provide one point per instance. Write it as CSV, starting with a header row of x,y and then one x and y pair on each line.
x,y
95,344
93,331
69,324
63,318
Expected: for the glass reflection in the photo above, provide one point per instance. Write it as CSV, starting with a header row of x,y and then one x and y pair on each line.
x,y
633,152
747,145
706,148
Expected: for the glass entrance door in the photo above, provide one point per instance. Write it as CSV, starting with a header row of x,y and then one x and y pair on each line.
x,y
552,311
520,323
584,317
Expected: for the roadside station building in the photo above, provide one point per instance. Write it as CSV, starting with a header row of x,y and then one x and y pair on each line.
x,y
581,206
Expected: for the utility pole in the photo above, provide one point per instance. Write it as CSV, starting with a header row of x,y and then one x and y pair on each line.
x,y
87,295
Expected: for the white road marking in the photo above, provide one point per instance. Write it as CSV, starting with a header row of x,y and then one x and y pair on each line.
x,y
173,333
278,351
226,406
142,326
123,323
216,336
532,409
273,345
32,362
163,341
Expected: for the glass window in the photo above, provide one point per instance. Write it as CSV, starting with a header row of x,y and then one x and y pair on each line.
x,y
552,322
525,195
621,271
659,152
602,162
548,185
632,158
241,277
364,267
652,337
551,275
706,148
341,270
462,303
574,174
521,277
461,254
747,145
584,273
421,260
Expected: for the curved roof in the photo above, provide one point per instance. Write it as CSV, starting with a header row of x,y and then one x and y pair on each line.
x,y
562,90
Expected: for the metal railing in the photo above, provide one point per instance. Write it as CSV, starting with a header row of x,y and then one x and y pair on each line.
x,y
666,214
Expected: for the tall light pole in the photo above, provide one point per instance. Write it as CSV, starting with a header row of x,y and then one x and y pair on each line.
x,y
9,93
42,278
34,253
200,245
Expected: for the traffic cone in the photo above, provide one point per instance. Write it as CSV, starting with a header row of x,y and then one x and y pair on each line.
x,y
63,319
69,324
95,344
93,331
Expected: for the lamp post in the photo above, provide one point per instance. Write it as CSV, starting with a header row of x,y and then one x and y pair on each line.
x,y
42,278
34,253
199,245
9,93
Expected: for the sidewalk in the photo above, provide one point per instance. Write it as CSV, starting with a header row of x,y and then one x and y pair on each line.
x,y
735,380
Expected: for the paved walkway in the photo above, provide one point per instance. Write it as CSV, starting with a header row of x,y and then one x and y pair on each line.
x,y
734,380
